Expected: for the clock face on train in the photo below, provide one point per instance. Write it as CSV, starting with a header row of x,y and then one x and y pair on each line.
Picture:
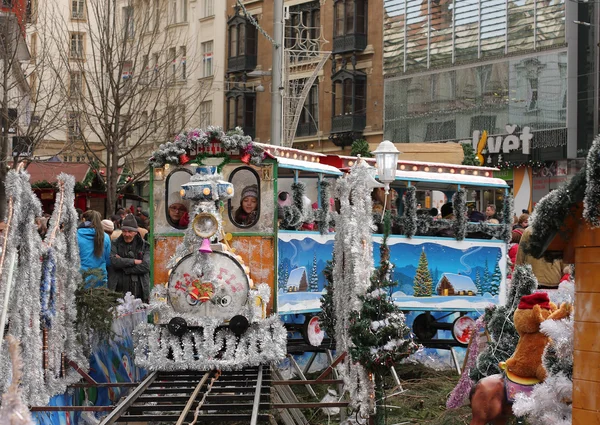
x,y
221,295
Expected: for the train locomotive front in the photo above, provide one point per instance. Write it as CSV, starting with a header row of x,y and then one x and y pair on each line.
x,y
210,314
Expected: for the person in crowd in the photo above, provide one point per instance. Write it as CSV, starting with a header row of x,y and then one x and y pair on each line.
x,y
94,245
41,225
79,214
116,219
138,210
108,227
145,216
490,214
130,262
121,213
178,211
447,214
141,229
379,200
522,223
547,273
247,212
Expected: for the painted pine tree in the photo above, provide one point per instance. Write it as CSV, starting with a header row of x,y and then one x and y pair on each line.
x,y
423,283
478,283
496,278
485,279
313,283
283,274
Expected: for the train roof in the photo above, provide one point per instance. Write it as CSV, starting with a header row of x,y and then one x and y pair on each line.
x,y
296,159
449,180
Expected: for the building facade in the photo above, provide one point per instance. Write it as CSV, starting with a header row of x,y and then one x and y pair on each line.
x,y
333,87
510,77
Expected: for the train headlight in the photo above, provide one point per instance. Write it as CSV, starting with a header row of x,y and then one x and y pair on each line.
x,y
205,225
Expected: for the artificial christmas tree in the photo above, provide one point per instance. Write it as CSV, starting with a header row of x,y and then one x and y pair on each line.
x,y
378,330
423,284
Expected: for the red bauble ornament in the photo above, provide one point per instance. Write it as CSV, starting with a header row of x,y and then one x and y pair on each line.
x,y
184,159
245,158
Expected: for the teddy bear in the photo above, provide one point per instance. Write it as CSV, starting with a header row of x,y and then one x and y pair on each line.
x,y
532,310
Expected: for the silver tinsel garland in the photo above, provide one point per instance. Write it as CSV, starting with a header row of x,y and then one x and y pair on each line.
x,y
353,253
38,385
210,347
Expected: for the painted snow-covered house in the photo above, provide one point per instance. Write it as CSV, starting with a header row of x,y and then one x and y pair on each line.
x,y
298,281
455,284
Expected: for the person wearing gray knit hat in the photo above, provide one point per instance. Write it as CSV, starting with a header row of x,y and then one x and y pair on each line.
x,y
247,213
130,262
129,223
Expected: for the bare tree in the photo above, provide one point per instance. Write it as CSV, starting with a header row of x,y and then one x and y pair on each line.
x,y
31,97
131,59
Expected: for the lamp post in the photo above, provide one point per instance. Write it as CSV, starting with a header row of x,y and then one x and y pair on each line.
x,y
386,156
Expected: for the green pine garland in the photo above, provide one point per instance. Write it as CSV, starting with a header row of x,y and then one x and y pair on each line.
x,y
96,308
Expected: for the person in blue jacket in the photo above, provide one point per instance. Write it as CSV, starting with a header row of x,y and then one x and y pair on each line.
x,y
94,245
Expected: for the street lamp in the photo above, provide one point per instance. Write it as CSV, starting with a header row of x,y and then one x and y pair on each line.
x,y
386,156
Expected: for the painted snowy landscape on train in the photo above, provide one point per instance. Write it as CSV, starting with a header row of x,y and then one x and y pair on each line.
x,y
430,274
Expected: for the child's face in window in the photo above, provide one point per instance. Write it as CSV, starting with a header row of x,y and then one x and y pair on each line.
x,y
249,204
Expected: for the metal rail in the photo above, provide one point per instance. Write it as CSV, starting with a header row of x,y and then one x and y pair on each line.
x,y
184,397
257,394
123,406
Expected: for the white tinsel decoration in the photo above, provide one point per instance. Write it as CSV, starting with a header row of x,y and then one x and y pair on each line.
x,y
25,307
353,253
549,403
13,411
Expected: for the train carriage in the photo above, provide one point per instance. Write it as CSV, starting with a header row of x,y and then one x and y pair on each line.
x,y
287,239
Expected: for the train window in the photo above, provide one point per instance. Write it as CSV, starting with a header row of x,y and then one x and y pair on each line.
x,y
177,208
244,208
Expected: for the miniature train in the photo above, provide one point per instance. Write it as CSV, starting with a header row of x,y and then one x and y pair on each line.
x,y
276,249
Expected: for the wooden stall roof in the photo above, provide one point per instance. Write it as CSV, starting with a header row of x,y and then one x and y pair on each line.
x,y
49,171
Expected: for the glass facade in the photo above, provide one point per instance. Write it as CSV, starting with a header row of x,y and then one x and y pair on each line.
x,y
450,104
426,34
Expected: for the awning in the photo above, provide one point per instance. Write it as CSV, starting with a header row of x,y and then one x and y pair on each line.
x,y
49,171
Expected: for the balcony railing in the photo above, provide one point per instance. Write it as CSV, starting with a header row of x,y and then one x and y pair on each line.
x,y
241,63
349,43
348,123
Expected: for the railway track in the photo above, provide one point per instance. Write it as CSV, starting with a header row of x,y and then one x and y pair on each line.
x,y
197,397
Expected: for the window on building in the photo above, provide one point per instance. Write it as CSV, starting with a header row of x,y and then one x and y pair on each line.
x,y
207,59
31,11
77,45
308,123
445,130
127,72
173,59
483,122
349,94
183,8
532,94
74,126
178,11
172,121
156,14
78,9
182,61
242,44
33,84
350,20
128,22
145,76
75,84
241,110
33,46
208,8
205,114
155,69
302,29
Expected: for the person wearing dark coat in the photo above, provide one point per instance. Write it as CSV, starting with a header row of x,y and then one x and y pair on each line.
x,y
130,262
